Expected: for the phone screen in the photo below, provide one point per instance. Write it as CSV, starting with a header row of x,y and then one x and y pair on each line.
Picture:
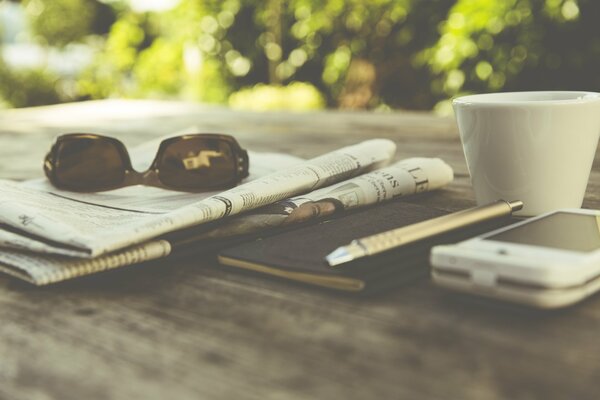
x,y
562,230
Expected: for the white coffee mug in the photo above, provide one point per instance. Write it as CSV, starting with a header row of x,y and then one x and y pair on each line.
x,y
537,147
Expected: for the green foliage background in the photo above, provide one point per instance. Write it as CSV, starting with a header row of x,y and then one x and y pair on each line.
x,y
307,54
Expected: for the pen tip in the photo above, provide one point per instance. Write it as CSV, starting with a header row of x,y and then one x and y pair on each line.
x,y
516,205
338,256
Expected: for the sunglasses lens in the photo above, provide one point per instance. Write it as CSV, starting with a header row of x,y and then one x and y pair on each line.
x,y
197,163
88,164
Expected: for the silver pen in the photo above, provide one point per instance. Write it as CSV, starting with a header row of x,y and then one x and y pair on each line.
x,y
388,240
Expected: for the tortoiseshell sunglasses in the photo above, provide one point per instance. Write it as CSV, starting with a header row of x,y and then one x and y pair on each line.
x,y
87,162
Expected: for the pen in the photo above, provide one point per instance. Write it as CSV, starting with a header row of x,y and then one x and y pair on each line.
x,y
391,239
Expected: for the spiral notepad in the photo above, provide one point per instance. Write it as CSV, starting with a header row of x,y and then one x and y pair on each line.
x,y
43,269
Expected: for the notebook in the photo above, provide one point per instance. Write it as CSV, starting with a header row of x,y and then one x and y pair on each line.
x,y
299,254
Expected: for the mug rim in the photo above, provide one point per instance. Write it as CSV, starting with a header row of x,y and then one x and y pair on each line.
x,y
528,98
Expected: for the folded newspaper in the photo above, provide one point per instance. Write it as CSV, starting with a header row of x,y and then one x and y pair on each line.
x,y
48,235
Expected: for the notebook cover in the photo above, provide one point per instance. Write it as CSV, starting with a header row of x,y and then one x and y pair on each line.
x,y
300,254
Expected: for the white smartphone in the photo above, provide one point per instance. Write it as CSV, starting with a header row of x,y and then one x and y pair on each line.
x,y
548,261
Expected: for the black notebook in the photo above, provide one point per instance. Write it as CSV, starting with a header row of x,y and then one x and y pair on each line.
x,y
299,254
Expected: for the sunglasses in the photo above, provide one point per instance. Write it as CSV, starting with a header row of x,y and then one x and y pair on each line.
x,y
86,162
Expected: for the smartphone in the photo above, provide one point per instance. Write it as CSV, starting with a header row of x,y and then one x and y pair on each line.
x,y
549,261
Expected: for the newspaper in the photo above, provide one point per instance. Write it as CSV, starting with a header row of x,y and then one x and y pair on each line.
x,y
135,199
406,177
50,222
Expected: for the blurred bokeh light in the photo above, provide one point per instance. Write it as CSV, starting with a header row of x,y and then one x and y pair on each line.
x,y
296,54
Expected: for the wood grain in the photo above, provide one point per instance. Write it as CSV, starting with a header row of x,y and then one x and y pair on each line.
x,y
192,330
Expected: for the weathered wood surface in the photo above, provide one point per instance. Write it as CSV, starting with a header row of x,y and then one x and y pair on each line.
x,y
189,330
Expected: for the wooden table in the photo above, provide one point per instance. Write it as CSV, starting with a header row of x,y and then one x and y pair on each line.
x,y
189,330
